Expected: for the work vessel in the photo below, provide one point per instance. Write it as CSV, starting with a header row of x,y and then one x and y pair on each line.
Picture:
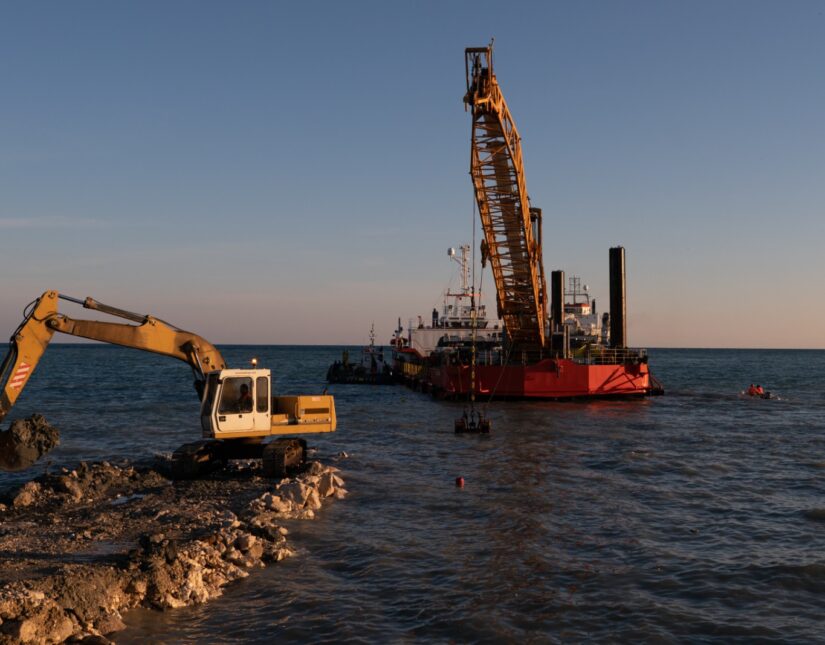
x,y
567,352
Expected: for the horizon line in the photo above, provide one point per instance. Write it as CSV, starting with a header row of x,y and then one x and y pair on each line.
x,y
772,349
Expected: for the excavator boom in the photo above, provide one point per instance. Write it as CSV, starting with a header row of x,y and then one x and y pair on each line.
x,y
150,334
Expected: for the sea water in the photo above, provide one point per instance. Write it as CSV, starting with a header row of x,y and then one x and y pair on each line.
x,y
695,516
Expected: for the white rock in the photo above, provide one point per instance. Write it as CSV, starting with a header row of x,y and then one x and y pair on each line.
x,y
295,492
255,551
316,468
233,555
278,504
27,495
313,500
265,520
244,542
326,485
284,553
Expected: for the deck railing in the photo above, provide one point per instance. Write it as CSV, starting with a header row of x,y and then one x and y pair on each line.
x,y
611,356
585,356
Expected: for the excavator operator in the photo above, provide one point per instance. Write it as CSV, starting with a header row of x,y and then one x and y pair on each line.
x,y
245,399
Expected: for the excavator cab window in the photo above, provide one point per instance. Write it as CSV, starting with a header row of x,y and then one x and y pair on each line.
x,y
212,385
262,394
236,396
209,393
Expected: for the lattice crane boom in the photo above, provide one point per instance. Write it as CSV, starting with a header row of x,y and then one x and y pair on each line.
x,y
512,229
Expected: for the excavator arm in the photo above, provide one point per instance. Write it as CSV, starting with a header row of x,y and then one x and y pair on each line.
x,y
42,319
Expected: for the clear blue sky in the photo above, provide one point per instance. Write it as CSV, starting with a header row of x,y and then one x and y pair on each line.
x,y
292,172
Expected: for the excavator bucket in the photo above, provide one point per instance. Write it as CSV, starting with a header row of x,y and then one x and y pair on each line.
x,y
26,441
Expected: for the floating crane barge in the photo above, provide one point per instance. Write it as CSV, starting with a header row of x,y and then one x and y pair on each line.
x,y
536,354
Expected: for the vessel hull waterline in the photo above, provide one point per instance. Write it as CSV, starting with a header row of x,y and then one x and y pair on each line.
x,y
547,379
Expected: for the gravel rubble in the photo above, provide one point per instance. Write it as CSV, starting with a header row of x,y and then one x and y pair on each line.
x,y
80,547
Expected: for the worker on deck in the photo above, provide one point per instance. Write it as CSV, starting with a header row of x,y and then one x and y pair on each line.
x,y
752,390
760,391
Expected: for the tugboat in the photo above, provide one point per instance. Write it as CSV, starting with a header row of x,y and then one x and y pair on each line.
x,y
372,369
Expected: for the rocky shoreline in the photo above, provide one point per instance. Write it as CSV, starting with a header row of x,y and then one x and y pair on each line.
x,y
80,548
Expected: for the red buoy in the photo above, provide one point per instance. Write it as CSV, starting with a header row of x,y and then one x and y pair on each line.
x,y
459,481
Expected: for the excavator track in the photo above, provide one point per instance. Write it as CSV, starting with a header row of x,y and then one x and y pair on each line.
x,y
196,459
281,457
284,457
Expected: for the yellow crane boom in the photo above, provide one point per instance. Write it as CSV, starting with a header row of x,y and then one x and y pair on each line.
x,y
512,229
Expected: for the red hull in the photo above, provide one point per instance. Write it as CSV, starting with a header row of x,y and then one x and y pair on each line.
x,y
547,379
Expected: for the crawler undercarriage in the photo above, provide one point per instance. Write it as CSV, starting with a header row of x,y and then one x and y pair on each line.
x,y
280,457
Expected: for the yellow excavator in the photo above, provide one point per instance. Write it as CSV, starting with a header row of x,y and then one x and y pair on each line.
x,y
238,411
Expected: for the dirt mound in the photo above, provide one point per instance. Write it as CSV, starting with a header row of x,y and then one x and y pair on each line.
x,y
26,441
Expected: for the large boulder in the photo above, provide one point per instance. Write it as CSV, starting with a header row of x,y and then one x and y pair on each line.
x,y
295,492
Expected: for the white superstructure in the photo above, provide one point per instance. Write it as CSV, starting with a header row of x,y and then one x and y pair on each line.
x,y
461,311
580,316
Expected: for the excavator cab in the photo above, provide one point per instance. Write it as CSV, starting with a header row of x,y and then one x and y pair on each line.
x,y
236,401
